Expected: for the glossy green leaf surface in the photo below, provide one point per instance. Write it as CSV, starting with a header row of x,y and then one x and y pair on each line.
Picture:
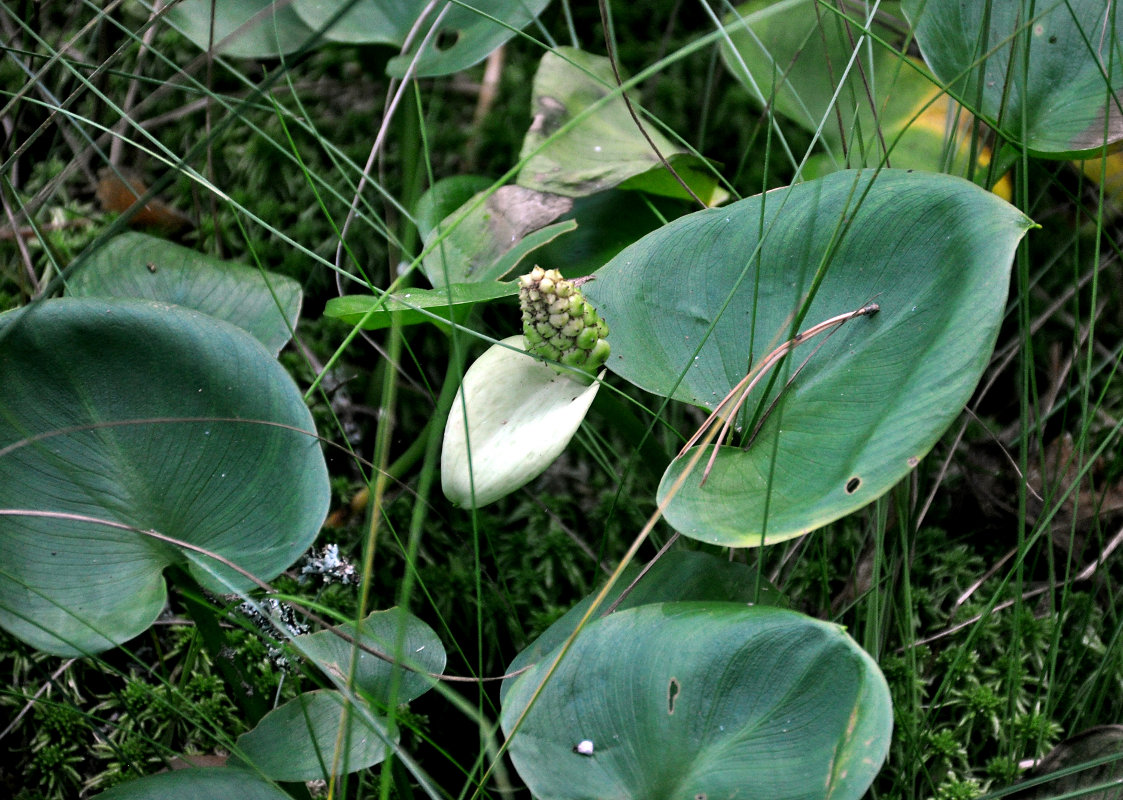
x,y
677,575
466,34
681,700
512,416
694,304
1043,74
297,741
414,306
267,29
603,149
801,61
869,103
241,28
396,634
135,265
197,783
128,416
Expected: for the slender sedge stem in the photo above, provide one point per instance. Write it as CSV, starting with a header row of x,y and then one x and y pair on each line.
x,y
737,396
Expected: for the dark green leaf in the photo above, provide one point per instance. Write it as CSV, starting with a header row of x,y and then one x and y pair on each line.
x,y
677,575
197,783
395,633
1072,778
695,304
241,28
134,265
466,35
124,416
876,108
297,741
444,197
1046,75
702,700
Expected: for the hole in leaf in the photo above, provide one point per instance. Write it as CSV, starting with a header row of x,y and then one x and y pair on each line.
x,y
446,40
912,461
673,688
700,796
853,484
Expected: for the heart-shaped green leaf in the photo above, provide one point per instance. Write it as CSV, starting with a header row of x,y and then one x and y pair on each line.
x,y
799,59
297,741
1046,76
702,700
676,575
197,783
241,28
603,150
121,417
134,265
467,34
695,304
822,70
520,416
395,633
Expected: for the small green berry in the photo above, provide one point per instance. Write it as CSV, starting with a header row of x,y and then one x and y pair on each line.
x,y
599,354
587,338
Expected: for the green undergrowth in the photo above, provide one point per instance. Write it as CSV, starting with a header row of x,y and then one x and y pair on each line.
x,y
991,604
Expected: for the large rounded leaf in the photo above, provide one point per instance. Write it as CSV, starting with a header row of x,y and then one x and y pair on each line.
x,y
465,36
1044,74
801,61
676,575
135,265
395,633
703,700
242,28
197,783
695,303
129,416
823,71
511,418
298,740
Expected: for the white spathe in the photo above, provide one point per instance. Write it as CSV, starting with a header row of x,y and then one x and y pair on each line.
x,y
520,416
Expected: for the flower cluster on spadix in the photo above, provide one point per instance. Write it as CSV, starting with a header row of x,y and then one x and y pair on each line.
x,y
559,324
